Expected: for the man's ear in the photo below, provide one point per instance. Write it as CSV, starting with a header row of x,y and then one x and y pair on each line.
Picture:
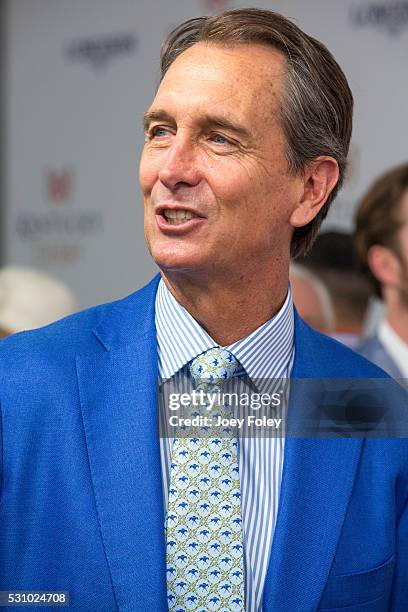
x,y
319,179
384,265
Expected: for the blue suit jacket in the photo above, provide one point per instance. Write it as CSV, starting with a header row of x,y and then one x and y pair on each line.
x,y
81,500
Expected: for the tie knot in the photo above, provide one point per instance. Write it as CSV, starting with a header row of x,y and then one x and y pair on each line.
x,y
214,366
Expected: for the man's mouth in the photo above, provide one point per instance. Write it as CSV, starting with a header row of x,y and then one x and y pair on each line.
x,y
179,216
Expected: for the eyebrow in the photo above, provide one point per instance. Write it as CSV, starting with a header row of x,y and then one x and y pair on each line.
x,y
207,120
156,115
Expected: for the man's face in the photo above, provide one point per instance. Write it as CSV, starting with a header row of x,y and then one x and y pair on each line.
x,y
214,177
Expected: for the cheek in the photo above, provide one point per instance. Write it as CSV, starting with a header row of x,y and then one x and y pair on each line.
x,y
231,184
148,172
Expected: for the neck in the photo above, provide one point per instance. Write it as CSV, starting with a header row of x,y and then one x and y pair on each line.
x,y
232,307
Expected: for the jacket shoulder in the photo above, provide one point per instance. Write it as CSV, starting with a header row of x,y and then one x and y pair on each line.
x,y
67,335
77,332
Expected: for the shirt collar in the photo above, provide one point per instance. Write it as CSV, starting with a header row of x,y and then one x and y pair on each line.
x,y
264,353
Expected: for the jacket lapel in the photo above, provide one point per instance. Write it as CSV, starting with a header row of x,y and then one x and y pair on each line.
x,y
118,393
317,481
119,408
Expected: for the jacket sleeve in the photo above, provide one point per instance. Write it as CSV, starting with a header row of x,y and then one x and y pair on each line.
x,y
1,453
399,600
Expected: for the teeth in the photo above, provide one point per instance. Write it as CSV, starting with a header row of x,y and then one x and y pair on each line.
x,y
176,217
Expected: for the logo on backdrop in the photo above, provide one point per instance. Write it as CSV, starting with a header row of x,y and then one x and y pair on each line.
x,y
58,232
389,16
216,5
58,185
99,51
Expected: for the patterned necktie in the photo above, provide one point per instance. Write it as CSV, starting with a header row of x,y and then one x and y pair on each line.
x,y
205,568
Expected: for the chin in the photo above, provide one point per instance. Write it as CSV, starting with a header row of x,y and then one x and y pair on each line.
x,y
176,260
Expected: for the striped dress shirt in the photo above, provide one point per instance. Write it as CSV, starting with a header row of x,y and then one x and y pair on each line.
x,y
266,354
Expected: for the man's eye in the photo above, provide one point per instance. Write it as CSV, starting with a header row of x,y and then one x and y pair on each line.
x,y
219,139
158,132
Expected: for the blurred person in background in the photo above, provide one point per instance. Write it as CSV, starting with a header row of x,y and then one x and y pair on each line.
x,y
333,260
381,238
312,299
30,299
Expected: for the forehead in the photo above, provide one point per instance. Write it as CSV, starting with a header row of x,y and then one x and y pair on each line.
x,y
243,79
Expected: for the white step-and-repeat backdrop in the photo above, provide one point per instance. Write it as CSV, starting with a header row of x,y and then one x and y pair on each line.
x,y
80,75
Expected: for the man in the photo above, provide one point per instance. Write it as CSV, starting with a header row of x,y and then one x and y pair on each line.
x,y
311,298
246,142
333,260
382,242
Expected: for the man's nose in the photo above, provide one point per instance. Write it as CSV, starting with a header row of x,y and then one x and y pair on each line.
x,y
180,166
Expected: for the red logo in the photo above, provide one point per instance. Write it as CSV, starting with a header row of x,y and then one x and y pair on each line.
x,y
217,5
58,185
